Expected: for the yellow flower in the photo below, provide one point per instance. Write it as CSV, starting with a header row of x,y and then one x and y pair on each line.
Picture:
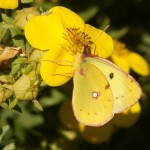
x,y
128,117
127,60
66,116
96,135
93,135
8,4
65,35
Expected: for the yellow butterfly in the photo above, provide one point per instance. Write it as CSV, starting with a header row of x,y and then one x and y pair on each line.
x,y
101,89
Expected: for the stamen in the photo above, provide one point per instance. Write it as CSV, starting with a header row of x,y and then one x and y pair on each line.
x,y
77,40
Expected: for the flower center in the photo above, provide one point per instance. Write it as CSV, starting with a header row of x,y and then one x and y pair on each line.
x,y
77,40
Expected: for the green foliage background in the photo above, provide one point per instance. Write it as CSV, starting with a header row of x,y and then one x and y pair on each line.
x,y
27,128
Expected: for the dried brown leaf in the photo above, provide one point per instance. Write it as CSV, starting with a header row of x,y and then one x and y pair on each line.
x,y
9,52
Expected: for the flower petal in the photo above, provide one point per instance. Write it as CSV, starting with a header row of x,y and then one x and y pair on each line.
x,y
7,4
68,17
45,32
138,64
56,68
121,62
103,42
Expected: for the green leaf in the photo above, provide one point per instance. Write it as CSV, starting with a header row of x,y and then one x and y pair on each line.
x,y
37,105
14,69
17,108
36,55
23,89
56,98
6,91
2,33
13,103
104,23
20,60
6,78
3,29
146,39
4,25
28,69
17,65
23,15
117,34
4,105
21,86
28,120
18,37
10,146
7,19
89,13
4,131
26,1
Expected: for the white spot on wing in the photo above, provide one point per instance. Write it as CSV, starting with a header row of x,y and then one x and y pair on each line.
x,y
95,95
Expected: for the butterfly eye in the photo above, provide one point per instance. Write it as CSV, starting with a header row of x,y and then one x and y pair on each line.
x,y
111,75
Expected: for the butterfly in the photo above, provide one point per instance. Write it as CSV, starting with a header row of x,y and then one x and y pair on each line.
x,y
101,89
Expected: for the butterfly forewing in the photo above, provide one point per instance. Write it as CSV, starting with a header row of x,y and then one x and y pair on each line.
x,y
92,96
126,91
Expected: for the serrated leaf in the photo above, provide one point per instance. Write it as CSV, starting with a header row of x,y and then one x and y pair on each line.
x,y
7,19
18,37
21,86
4,25
3,29
23,89
2,33
6,78
24,15
6,91
37,105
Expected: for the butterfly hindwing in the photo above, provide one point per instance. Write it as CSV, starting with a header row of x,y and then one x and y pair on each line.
x,y
126,91
92,96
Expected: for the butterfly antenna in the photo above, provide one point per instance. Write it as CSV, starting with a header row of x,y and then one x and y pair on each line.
x,y
101,33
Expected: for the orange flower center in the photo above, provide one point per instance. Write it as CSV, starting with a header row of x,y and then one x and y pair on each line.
x,y
77,40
